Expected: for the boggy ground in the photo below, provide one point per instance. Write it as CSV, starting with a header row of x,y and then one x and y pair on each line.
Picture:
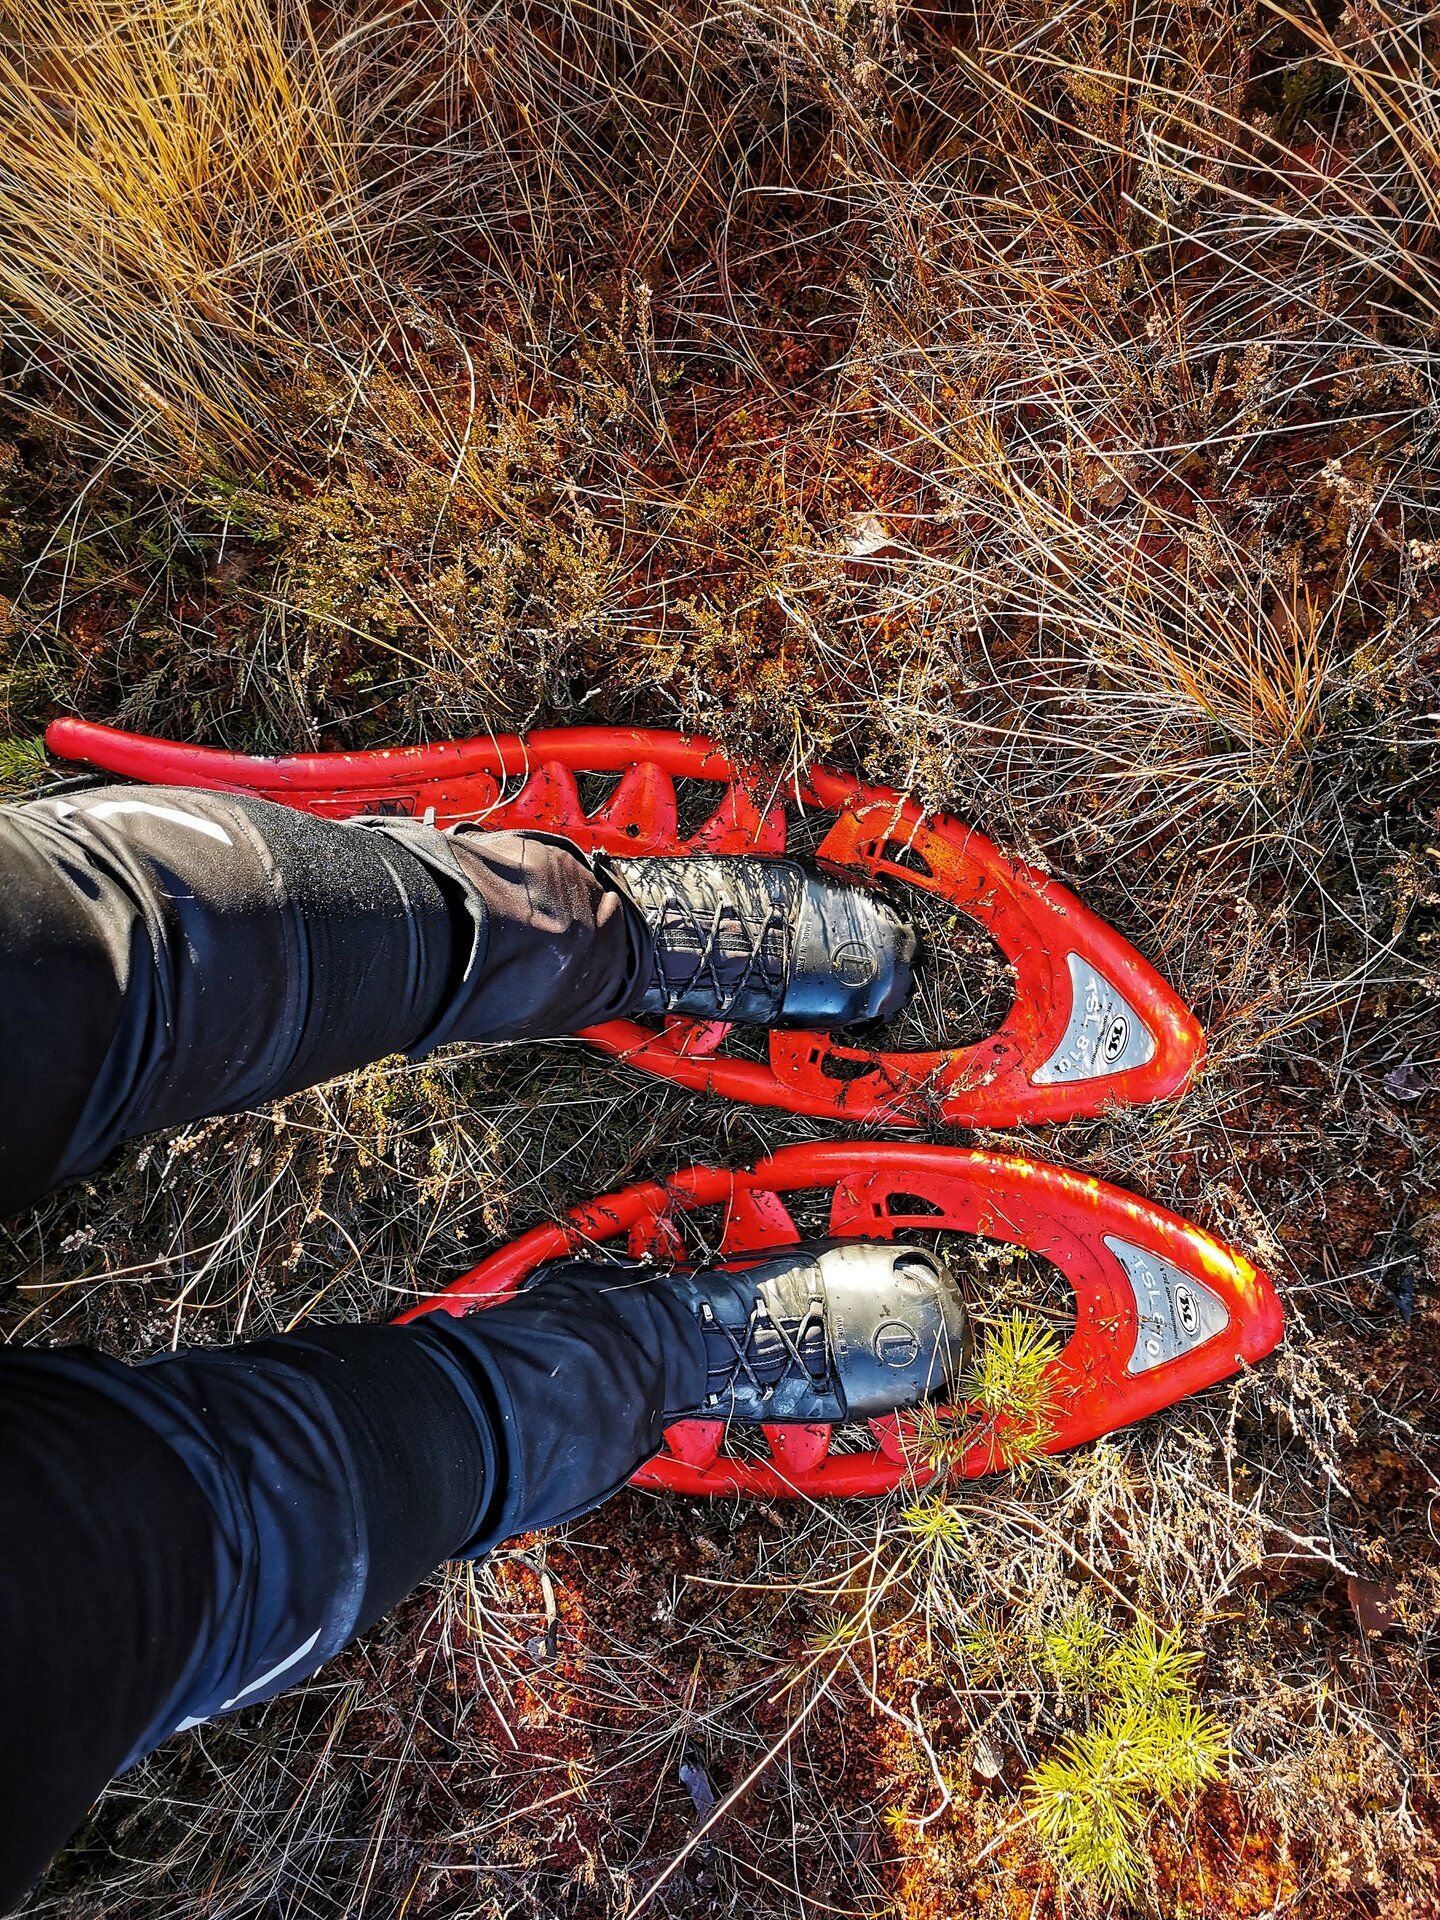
x,y
1033,408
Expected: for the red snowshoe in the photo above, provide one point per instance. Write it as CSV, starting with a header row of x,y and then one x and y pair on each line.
x,y
1091,1026
1160,1308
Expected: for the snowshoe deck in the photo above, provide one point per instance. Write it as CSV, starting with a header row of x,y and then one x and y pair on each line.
x,y
1091,1026
1161,1309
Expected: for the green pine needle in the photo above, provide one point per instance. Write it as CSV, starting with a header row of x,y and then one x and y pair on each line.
x,y
23,765
1008,1401
1011,1389
1074,1649
1145,1667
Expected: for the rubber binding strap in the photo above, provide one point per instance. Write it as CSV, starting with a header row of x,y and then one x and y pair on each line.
x,y
1092,1025
1161,1309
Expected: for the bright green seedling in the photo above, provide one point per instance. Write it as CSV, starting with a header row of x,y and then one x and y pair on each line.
x,y
938,1526
1008,1396
1074,1649
1148,1740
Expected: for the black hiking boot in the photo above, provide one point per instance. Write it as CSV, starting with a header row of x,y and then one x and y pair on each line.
x,y
824,1331
762,942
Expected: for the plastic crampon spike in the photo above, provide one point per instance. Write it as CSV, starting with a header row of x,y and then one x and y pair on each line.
x,y
1161,1309
1092,1025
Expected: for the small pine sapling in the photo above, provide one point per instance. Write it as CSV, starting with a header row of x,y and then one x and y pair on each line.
x,y
1074,1648
1008,1401
1148,1740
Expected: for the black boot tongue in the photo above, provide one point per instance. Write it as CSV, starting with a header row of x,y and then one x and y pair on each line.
x,y
766,1352
721,927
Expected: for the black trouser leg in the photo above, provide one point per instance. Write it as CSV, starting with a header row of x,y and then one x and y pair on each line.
x,y
192,1535
167,953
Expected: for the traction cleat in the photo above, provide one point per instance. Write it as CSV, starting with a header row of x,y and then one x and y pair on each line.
x,y
762,942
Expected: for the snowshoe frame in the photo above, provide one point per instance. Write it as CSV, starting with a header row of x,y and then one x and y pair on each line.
x,y
1092,1024
1161,1308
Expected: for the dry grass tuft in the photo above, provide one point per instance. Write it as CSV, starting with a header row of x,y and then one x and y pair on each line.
x,y
183,201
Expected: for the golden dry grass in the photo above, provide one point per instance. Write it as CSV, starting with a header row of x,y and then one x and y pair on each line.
x,y
181,196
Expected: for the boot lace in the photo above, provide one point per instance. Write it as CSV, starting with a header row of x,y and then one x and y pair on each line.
x,y
729,952
767,1352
